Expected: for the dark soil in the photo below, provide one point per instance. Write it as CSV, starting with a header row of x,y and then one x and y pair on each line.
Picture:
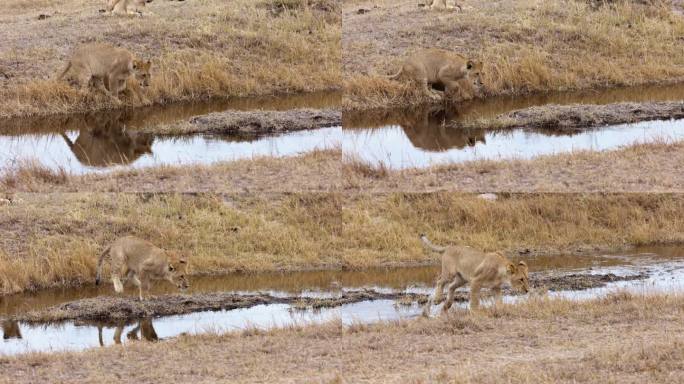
x,y
582,116
255,123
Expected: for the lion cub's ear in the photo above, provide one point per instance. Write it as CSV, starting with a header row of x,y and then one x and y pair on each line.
x,y
469,64
511,269
147,64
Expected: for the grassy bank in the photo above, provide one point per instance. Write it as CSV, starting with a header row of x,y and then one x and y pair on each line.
x,y
526,45
652,167
199,50
51,240
316,171
619,338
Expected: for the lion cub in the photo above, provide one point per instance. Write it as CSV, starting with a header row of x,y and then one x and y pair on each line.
x,y
141,261
131,7
446,4
437,66
108,68
461,265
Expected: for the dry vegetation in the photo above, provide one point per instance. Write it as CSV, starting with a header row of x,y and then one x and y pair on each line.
x,y
49,240
527,45
199,49
619,338
649,167
316,171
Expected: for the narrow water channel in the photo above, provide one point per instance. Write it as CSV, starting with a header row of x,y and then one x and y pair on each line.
x,y
661,270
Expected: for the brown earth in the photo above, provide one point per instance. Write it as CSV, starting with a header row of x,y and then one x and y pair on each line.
x,y
253,123
575,117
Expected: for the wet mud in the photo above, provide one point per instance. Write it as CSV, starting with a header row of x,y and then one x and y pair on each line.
x,y
110,309
582,116
254,123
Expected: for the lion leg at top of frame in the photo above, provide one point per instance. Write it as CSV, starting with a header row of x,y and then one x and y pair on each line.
x,y
438,4
111,4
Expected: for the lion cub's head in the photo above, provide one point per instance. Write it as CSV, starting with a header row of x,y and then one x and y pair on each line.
x,y
475,71
518,276
177,270
141,70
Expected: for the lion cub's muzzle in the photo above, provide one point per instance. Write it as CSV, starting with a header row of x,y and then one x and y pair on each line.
x,y
183,284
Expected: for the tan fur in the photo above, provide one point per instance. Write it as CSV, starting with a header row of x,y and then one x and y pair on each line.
x,y
437,66
130,7
461,265
446,4
108,69
106,141
10,330
141,261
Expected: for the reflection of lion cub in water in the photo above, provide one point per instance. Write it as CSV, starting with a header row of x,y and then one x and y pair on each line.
x,y
461,265
437,66
141,261
108,69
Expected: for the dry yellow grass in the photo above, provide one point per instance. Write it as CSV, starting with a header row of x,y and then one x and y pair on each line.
x,y
620,338
199,49
648,167
526,45
51,240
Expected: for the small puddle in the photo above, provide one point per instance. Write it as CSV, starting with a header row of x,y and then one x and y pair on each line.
x,y
663,268
401,147
107,141
408,138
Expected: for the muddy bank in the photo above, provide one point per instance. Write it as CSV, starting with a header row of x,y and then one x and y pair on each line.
x,y
251,124
581,116
108,308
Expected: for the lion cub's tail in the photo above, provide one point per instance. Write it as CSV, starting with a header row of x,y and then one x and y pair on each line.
x,y
99,265
66,69
396,75
431,246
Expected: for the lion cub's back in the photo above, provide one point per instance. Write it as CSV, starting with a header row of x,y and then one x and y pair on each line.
x,y
101,58
134,250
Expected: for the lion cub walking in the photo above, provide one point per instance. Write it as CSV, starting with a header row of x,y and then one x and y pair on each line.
x,y
140,261
461,265
107,68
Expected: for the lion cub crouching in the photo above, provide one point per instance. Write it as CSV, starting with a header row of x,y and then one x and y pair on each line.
x,y
140,261
108,68
439,67
461,265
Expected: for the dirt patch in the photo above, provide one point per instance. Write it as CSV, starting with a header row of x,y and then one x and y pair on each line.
x,y
107,308
254,124
578,281
113,309
579,116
